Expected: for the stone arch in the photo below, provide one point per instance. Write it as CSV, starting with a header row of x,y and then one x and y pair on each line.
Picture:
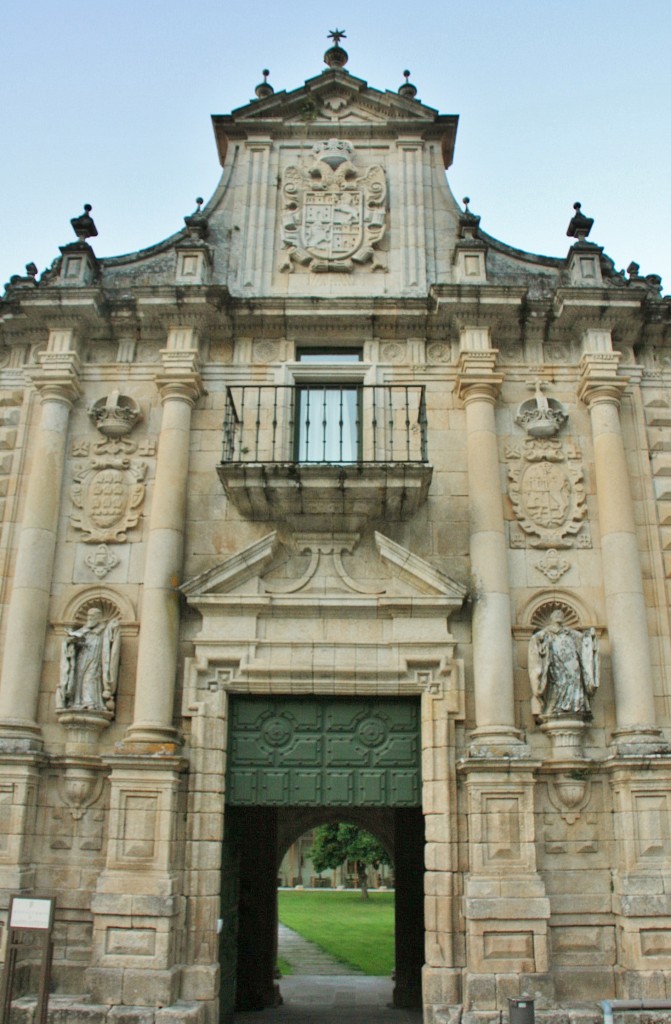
x,y
538,610
299,820
113,604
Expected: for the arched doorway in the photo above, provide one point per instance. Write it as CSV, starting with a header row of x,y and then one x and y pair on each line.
x,y
357,759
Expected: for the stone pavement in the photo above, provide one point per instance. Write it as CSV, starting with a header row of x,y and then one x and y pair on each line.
x,y
347,999
306,957
322,990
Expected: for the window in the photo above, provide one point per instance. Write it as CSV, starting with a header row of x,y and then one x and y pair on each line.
x,y
328,414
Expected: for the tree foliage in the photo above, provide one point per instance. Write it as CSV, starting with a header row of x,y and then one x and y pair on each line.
x,y
336,843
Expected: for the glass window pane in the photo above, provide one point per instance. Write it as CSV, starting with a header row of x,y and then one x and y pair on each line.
x,y
322,355
328,424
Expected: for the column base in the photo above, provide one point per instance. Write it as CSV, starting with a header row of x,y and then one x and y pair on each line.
x,y
498,741
151,738
639,740
20,735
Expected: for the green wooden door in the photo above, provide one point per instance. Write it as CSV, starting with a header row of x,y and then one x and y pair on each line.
x,y
288,751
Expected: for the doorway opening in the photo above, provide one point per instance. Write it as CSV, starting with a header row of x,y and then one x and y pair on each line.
x,y
336,904
295,765
258,839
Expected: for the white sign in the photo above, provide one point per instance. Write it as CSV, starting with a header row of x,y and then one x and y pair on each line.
x,y
27,913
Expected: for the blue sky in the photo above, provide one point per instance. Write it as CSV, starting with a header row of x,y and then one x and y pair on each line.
x,y
109,102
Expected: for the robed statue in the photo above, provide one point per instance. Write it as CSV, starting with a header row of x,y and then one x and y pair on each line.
x,y
90,664
563,669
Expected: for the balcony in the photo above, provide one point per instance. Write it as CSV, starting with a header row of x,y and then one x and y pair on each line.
x,y
337,455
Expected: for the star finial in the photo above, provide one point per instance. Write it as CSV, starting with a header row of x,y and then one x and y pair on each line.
x,y
336,35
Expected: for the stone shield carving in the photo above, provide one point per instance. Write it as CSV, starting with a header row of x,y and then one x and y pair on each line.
x,y
547,492
334,216
108,491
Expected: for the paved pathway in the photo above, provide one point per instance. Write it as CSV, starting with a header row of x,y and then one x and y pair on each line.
x,y
307,958
322,992
330,999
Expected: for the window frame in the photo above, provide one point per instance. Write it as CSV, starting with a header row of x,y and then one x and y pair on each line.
x,y
302,374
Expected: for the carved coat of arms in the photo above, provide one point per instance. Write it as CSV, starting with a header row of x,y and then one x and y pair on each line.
x,y
108,491
547,491
108,488
333,216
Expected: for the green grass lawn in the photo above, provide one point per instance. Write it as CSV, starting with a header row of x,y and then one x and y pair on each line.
x,y
358,932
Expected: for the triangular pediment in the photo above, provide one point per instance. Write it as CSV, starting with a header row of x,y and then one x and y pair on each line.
x,y
318,566
335,95
236,571
332,99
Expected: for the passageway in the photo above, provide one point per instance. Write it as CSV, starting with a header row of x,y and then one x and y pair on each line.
x,y
329,999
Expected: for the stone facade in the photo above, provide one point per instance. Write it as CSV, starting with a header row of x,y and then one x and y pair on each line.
x,y
507,458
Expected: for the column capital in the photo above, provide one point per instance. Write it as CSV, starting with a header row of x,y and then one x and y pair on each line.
x,y
476,377
180,377
57,379
599,379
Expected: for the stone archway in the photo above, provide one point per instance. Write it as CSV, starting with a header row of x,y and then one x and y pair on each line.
x,y
298,762
260,841
341,623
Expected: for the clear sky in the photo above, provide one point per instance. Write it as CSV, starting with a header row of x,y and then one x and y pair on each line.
x,y
559,100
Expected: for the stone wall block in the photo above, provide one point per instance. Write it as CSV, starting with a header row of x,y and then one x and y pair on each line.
x,y
201,982
184,1013
130,1015
155,988
105,984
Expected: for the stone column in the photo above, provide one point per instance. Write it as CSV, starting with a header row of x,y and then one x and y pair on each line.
x,y
58,385
601,389
180,386
478,386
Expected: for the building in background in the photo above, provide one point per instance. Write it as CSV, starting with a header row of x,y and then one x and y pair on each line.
x,y
331,502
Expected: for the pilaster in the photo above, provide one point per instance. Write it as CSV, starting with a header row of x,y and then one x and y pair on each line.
x,y
19,781
412,227
505,904
443,941
642,877
138,906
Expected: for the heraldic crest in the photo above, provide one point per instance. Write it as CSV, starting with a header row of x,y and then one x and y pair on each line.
x,y
333,216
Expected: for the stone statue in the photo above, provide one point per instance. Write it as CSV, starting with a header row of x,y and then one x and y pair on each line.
x,y
563,669
90,665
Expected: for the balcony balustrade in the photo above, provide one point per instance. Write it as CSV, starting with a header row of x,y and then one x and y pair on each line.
x,y
348,451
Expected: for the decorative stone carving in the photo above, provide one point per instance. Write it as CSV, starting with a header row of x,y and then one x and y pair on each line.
x,y
564,676
334,216
541,416
115,415
108,492
109,488
547,491
90,665
76,821
101,561
325,569
439,353
553,565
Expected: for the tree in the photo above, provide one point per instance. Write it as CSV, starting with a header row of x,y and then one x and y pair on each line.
x,y
336,843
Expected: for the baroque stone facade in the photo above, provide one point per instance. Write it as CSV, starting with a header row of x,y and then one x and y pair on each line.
x,y
286,540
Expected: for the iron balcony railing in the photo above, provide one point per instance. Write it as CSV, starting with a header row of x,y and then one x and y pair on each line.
x,y
331,424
